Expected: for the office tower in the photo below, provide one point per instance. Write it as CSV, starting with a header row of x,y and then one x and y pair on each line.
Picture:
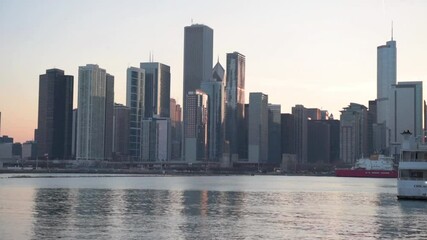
x,y
353,133
6,150
386,77
235,102
121,132
216,111
135,98
198,56
176,129
156,140
324,115
314,114
372,120
318,141
109,115
74,134
274,134
55,115
195,127
406,103
17,150
6,139
94,97
288,134
157,89
300,115
29,150
258,128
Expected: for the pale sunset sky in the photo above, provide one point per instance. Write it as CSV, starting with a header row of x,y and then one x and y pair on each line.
x,y
316,53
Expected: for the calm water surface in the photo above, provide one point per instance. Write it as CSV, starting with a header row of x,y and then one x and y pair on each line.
x,y
224,207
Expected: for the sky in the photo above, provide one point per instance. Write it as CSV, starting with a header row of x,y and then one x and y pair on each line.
x,y
321,54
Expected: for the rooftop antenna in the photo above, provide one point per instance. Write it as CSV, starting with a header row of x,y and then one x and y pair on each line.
x,y
191,21
391,30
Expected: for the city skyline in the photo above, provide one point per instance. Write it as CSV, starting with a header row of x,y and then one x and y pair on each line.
x,y
286,54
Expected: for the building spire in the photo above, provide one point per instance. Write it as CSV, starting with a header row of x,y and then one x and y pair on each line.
x,y
391,30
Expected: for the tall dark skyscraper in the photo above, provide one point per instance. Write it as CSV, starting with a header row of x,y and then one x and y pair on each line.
x,y
55,115
121,131
198,57
157,89
235,103
301,141
109,115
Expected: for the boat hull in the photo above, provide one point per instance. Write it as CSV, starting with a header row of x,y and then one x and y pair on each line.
x,y
365,173
412,189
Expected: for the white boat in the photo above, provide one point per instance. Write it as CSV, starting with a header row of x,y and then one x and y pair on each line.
x,y
412,179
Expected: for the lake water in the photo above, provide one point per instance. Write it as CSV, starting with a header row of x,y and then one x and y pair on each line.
x,y
76,206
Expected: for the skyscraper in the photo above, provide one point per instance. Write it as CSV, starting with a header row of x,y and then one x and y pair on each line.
x,y
135,100
301,137
215,91
235,102
109,115
198,57
386,77
258,128
176,129
55,115
156,139
94,113
353,133
121,131
157,89
406,112
196,127
274,134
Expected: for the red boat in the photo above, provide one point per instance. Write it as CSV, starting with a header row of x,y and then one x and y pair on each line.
x,y
378,166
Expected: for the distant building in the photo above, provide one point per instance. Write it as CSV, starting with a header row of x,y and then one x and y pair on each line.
x,y
196,127
406,112
109,115
216,111
176,129
301,138
29,150
386,77
54,131
121,132
353,133
274,134
135,100
314,114
258,128
318,140
372,120
74,134
93,124
157,89
235,103
17,150
288,133
6,150
156,140
6,139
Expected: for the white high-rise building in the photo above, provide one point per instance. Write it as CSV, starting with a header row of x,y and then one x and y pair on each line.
x,y
135,96
386,77
91,116
406,112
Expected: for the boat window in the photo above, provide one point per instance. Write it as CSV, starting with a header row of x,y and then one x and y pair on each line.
x,y
412,175
416,175
404,174
406,156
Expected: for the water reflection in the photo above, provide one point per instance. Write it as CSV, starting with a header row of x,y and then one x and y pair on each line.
x,y
193,214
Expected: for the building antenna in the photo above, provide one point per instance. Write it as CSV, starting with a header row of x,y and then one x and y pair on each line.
x,y
392,30
191,21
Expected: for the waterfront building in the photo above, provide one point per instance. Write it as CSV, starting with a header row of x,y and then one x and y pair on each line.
x,y
94,113
6,139
406,112
121,131
274,134
176,129
216,111
54,128
386,77
135,100
314,114
6,150
353,133
288,133
235,103
258,128
301,138
372,120
195,127
156,140
29,150
157,89
74,134
323,141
